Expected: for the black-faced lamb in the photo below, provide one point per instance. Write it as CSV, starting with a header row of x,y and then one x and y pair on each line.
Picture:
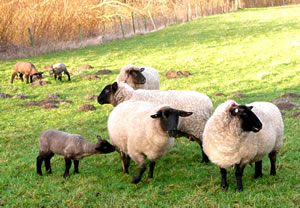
x,y
139,77
192,127
71,146
27,69
141,129
241,134
57,70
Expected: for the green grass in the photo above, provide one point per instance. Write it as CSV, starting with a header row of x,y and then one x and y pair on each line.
x,y
253,51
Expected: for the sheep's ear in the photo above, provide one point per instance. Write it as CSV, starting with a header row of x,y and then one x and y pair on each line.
x,y
115,86
157,115
99,138
250,107
185,114
142,69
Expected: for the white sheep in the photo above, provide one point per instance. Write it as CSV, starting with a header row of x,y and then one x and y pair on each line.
x,y
198,103
58,69
241,134
141,129
139,77
71,146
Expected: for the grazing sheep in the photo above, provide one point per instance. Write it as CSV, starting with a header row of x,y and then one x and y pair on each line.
x,y
27,69
71,146
141,129
192,127
241,134
139,77
58,69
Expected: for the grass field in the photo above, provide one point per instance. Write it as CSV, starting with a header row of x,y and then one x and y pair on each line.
x,y
255,52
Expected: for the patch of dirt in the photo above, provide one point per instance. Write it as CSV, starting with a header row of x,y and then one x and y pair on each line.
x,y
90,97
47,104
40,83
104,71
295,114
20,96
87,107
53,96
285,103
91,77
4,96
292,95
173,74
47,67
85,67
219,94
32,103
240,95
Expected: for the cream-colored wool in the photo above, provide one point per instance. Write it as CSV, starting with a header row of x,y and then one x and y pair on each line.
x,y
226,144
191,101
151,75
134,132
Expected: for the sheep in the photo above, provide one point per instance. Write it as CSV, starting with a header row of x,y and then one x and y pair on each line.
x,y
141,129
25,68
241,134
139,77
71,146
57,70
192,127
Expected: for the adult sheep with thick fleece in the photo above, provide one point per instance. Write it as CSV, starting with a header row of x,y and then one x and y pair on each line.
x,y
192,101
241,134
139,77
141,129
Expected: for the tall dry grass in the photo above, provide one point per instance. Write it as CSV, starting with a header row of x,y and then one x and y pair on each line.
x,y
53,23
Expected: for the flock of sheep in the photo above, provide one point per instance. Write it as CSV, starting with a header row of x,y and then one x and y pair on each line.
x,y
146,121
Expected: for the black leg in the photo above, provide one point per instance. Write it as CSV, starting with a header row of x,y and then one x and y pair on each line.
x,y
55,76
137,178
151,165
27,79
125,162
68,166
258,169
39,162
239,175
272,157
30,78
59,77
76,164
13,77
204,156
21,77
224,184
48,164
67,73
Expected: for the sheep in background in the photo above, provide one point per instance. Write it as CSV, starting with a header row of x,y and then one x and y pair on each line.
x,y
27,69
141,129
241,134
57,70
139,77
71,146
192,127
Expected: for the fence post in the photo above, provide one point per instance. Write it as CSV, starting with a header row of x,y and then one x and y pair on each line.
x,y
150,15
103,28
121,23
145,23
132,18
80,32
31,37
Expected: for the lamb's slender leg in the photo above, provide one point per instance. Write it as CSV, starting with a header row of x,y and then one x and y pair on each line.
x,y
68,166
48,164
30,78
151,165
258,169
124,162
21,77
67,73
13,77
27,78
137,178
76,164
239,177
224,184
127,163
39,162
55,76
272,157
60,77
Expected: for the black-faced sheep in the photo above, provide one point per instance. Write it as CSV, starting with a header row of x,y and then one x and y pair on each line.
x,y
241,134
58,69
139,77
198,103
141,129
27,69
71,146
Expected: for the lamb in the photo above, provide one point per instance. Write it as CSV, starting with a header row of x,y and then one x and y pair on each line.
x,y
25,68
58,69
241,134
71,146
192,127
141,129
139,77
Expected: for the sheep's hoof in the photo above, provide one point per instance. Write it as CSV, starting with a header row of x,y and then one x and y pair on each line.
x,y
135,179
66,175
257,176
224,186
239,189
41,174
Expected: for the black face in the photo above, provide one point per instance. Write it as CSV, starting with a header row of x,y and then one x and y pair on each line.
x,y
137,76
105,147
38,75
169,119
107,93
249,120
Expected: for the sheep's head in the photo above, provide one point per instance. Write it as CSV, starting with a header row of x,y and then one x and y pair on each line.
x,y
135,76
38,75
249,121
51,71
169,119
107,94
104,146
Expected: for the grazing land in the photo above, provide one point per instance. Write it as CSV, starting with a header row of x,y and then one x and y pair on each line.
x,y
249,55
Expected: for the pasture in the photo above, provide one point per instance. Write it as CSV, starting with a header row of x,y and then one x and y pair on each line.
x,y
254,52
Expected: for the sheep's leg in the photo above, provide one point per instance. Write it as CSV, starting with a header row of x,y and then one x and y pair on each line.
x,y
204,156
224,183
27,78
60,77
13,77
258,169
39,162
151,165
68,166
137,178
125,162
48,164
67,73
272,157
239,170
21,77
76,164
55,76
30,78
